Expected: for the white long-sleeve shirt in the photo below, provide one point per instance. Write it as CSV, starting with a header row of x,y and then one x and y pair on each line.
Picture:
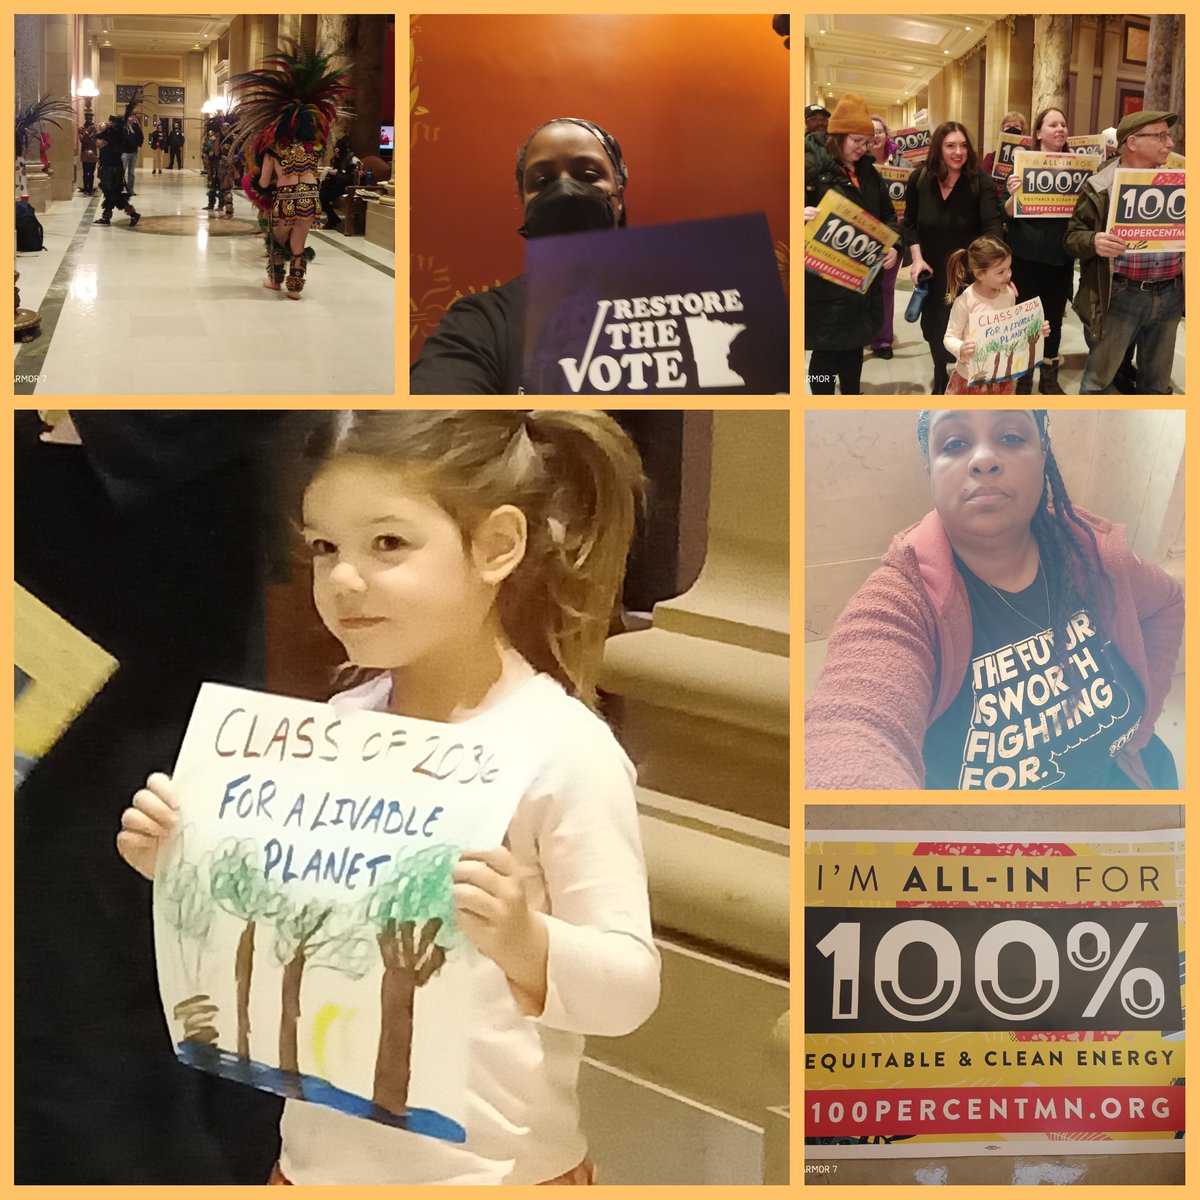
x,y
575,831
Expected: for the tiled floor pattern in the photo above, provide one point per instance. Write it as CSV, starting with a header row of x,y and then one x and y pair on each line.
x,y
135,312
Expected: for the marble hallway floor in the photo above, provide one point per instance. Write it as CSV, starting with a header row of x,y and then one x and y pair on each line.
x,y
135,312
910,370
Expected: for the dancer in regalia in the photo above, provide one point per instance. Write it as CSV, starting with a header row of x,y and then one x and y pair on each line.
x,y
285,110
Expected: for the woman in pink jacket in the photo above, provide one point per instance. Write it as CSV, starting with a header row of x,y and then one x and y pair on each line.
x,y
1007,641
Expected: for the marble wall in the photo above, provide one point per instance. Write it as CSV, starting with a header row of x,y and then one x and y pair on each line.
x,y
864,480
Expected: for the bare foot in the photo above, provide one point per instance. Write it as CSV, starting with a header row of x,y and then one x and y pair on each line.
x,y
268,283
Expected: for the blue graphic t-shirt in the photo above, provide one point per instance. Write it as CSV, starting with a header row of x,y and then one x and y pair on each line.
x,y
1019,720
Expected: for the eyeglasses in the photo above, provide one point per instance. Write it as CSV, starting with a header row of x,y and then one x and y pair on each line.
x,y
857,143
1163,137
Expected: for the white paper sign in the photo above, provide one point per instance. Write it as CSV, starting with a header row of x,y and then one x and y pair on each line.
x,y
303,918
1007,341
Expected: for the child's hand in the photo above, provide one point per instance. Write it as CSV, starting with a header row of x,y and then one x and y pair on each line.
x,y
147,822
491,909
966,351
1045,329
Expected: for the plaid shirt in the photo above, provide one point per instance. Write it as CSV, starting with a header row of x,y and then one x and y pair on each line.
x,y
1140,268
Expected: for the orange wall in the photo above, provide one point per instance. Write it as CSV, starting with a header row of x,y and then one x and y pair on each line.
x,y
698,103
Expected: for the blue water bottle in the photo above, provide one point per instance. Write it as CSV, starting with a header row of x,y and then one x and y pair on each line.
x,y
913,311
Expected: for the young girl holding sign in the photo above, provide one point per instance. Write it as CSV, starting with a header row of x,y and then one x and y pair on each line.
x,y
989,261
471,561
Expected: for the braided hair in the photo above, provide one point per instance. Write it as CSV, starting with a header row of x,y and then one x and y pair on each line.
x,y
1067,547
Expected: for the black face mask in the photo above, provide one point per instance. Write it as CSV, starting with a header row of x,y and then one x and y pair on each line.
x,y
568,206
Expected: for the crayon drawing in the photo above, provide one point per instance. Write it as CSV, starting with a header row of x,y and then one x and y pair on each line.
x,y
304,917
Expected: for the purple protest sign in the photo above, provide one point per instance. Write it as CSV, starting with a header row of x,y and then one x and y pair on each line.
x,y
667,309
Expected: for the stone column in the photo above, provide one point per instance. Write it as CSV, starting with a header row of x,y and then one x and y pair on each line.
x,y
1110,60
1175,99
1083,119
56,82
1159,61
1051,62
1020,70
270,33
969,107
358,42
369,44
106,81
995,92
193,100
336,36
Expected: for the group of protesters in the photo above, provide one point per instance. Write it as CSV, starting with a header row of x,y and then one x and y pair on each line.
x,y
964,248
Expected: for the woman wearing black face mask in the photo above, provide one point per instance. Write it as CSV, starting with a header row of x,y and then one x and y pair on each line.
x,y
571,178
1011,122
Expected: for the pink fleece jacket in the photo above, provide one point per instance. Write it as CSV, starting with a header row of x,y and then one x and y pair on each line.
x,y
899,653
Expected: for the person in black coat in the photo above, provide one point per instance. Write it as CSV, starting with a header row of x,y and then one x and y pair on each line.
x,y
839,322
571,177
146,530
175,147
949,203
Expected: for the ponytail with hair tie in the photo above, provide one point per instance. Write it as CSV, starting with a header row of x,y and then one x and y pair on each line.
x,y
576,476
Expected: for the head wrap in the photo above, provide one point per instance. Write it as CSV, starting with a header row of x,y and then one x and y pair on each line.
x,y
611,147
1040,415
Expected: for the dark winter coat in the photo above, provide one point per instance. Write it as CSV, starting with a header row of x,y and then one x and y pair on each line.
x,y
836,318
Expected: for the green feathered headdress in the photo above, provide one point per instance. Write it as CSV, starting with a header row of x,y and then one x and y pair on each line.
x,y
293,97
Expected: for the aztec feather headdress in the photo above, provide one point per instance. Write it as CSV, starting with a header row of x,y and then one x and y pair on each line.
x,y
135,100
294,96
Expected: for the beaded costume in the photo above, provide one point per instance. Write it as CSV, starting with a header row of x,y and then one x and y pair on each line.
x,y
285,110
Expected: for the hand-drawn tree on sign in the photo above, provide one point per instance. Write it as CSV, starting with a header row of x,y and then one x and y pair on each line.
x,y
321,933
994,345
297,942
239,886
1033,331
1011,344
186,906
413,911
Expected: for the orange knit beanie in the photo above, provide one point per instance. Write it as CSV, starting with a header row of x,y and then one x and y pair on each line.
x,y
852,116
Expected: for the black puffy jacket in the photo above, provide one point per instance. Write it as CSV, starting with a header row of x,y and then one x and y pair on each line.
x,y
836,318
